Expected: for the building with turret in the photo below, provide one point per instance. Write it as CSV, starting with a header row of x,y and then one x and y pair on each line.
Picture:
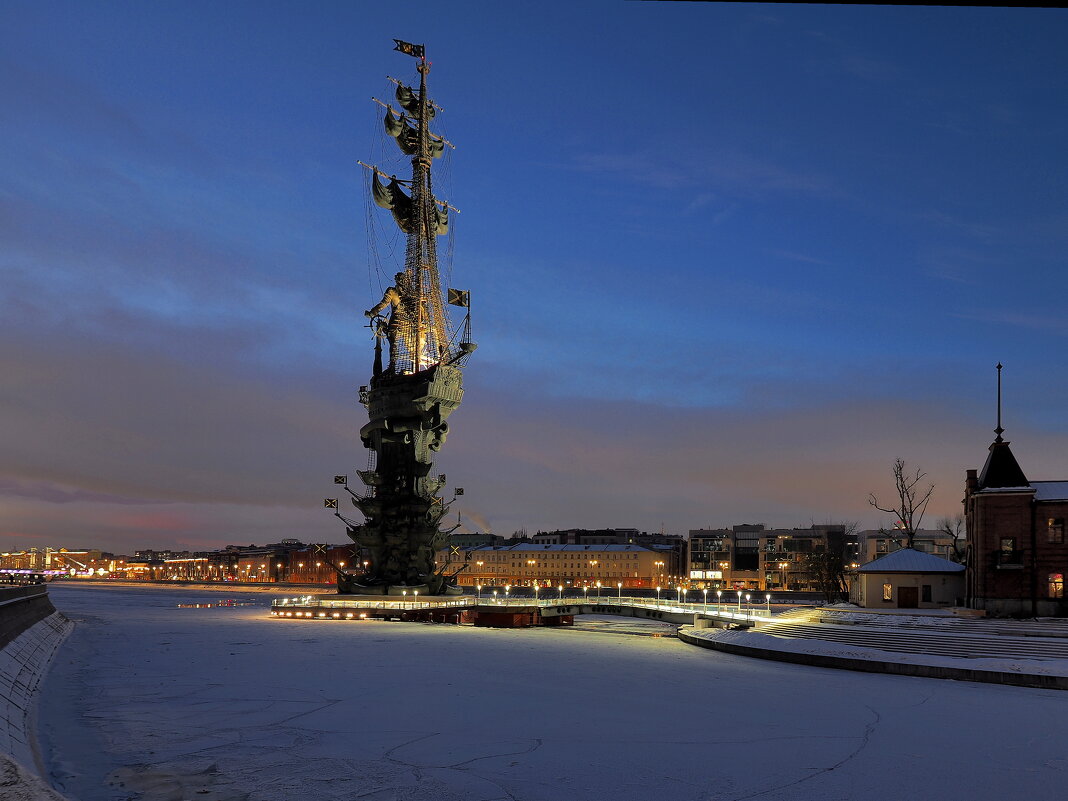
x,y
1017,553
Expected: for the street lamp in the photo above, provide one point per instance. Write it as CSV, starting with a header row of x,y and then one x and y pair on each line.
x,y
619,585
680,593
768,599
507,589
598,592
585,593
478,589
535,592
739,601
494,596
719,600
416,597
561,589
658,597
705,591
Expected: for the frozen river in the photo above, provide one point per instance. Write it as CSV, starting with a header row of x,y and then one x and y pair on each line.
x,y
149,700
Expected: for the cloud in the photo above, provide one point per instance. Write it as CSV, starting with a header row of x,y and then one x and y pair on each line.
x,y
1048,323
730,173
791,256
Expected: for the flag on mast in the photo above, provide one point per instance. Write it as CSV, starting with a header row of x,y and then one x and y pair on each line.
x,y
410,49
459,297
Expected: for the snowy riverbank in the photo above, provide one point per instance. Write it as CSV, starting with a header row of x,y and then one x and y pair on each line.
x,y
23,663
227,703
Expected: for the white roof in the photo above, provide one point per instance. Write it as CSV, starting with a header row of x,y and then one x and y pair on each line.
x,y
1050,490
908,560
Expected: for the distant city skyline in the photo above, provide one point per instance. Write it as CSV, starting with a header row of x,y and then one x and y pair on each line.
x,y
727,262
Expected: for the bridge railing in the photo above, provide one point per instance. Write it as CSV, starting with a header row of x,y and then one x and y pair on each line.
x,y
723,611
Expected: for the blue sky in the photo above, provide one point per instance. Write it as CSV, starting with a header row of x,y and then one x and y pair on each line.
x,y
727,261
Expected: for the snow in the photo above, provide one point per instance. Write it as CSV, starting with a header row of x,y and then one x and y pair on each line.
x,y
1050,490
755,639
907,560
151,701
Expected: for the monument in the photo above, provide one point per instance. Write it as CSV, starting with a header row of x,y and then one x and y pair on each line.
x,y
409,398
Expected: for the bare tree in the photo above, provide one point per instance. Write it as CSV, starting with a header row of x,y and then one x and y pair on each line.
x,y
911,501
954,528
828,567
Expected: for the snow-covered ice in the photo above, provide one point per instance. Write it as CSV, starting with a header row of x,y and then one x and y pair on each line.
x,y
147,700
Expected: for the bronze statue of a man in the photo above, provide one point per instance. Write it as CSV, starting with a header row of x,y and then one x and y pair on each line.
x,y
403,318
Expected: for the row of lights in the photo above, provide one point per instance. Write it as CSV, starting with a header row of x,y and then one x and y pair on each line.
x,y
335,615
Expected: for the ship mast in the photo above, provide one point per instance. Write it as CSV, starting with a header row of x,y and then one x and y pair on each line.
x,y
429,338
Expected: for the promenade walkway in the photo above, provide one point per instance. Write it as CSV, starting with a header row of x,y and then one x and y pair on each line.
x,y
942,636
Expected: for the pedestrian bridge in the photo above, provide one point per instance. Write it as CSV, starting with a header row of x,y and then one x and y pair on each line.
x,y
543,611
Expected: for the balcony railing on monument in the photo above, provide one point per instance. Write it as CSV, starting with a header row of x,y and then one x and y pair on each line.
x,y
1009,560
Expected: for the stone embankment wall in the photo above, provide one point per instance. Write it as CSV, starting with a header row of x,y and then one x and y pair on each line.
x,y
30,632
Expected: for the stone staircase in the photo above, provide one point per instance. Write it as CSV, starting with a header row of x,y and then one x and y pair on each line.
x,y
938,636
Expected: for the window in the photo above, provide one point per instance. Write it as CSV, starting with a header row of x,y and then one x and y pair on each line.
x,y
888,592
1056,585
1055,531
925,594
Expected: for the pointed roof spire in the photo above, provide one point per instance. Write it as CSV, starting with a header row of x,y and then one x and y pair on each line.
x,y
1001,469
999,430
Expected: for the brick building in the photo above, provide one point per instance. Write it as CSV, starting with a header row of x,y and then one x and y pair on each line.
x,y
1017,553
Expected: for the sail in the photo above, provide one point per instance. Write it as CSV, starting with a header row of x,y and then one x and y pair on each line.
x,y
391,196
407,137
409,100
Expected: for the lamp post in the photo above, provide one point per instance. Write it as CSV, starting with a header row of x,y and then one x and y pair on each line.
x,y
416,597
561,589
494,596
705,592
679,588
598,592
620,586
585,593
739,601
478,590
719,600
748,606
404,598
658,597
768,599
507,590
535,592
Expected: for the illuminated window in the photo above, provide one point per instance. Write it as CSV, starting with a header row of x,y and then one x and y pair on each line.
x,y
1055,530
888,592
1056,585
